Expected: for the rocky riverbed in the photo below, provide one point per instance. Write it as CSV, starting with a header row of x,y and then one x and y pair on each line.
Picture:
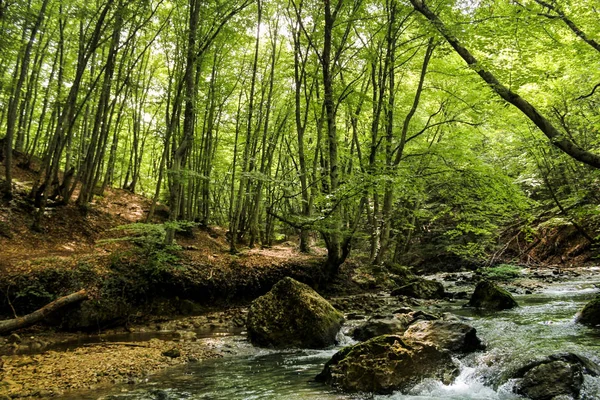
x,y
90,367
46,364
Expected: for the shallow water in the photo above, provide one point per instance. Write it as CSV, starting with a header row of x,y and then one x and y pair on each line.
x,y
544,324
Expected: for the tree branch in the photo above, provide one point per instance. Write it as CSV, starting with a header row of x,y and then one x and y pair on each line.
x,y
589,95
557,138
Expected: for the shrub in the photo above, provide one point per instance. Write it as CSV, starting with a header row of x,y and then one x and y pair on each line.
x,y
501,272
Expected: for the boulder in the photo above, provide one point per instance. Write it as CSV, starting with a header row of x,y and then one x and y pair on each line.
x,y
547,381
491,297
590,314
556,376
293,315
387,363
450,335
421,289
385,325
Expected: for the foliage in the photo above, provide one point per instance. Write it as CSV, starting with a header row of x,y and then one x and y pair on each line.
x,y
155,255
230,113
501,272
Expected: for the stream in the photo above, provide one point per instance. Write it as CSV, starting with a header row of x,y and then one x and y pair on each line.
x,y
542,325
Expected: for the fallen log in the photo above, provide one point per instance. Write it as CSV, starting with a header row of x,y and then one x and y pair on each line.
x,y
38,315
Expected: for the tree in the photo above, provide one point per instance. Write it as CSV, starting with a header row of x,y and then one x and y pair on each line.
x,y
557,138
16,97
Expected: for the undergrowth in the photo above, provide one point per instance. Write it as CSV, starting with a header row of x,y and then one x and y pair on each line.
x,y
501,272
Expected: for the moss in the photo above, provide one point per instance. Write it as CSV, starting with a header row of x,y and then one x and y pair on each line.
x,y
590,314
491,297
293,315
502,272
387,363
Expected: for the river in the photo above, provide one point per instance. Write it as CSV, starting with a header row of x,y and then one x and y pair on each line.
x,y
542,325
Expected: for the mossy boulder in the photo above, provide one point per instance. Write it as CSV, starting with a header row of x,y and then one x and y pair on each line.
x,y
556,376
450,335
547,381
491,297
421,289
590,314
387,363
292,314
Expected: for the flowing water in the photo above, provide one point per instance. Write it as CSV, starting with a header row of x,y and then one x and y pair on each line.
x,y
543,325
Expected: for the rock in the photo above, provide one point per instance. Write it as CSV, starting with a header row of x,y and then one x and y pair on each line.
x,y
354,316
293,315
1,369
14,338
395,324
546,381
159,395
422,315
172,353
387,363
184,335
359,304
590,314
491,297
462,295
450,335
421,289
403,310
553,377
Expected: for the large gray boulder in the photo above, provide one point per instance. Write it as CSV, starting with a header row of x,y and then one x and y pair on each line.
x,y
421,289
553,377
293,315
450,335
491,297
590,314
387,363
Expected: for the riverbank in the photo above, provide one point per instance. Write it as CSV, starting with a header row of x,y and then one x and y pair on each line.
x,y
52,373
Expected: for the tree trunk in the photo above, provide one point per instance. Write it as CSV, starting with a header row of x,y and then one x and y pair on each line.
x,y
237,217
182,149
333,238
38,315
299,76
16,99
388,200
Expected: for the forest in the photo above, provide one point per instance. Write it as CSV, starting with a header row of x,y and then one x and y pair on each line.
x,y
357,123
371,140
